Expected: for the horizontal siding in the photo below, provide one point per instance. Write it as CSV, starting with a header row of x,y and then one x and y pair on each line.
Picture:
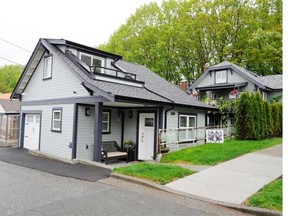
x,y
85,132
63,83
172,119
130,126
55,143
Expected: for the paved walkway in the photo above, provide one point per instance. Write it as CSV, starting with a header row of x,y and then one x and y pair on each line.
x,y
235,180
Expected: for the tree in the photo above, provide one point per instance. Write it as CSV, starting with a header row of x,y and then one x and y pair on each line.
x,y
9,75
244,125
178,38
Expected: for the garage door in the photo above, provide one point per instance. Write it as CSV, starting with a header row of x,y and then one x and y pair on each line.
x,y
32,131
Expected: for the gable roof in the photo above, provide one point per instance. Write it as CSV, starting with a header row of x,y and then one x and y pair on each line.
x,y
271,82
153,88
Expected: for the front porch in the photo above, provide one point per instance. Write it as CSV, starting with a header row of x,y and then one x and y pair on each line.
x,y
118,122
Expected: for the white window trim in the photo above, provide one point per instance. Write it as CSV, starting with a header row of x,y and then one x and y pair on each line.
x,y
47,72
108,123
53,128
221,80
91,61
264,95
187,116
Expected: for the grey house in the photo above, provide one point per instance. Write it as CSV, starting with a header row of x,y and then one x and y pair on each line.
x,y
228,80
73,97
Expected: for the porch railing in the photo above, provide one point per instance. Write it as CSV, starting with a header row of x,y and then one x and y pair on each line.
x,y
179,137
112,72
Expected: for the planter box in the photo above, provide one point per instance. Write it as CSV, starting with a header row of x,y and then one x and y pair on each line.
x,y
131,155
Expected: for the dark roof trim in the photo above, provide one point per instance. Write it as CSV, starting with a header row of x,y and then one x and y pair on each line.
x,y
119,98
96,91
224,86
84,48
14,94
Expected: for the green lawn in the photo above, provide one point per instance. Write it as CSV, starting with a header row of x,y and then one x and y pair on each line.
x,y
212,154
159,173
269,196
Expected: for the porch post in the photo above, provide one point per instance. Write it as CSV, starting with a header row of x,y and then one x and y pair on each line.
x,y
98,131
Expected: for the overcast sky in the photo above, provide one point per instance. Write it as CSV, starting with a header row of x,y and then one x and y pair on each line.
x,y
89,22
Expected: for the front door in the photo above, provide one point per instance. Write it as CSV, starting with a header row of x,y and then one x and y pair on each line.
x,y
146,136
31,135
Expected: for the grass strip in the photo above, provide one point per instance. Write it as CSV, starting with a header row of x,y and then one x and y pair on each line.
x,y
159,173
212,154
270,196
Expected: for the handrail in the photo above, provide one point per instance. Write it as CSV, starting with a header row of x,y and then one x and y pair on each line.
x,y
118,73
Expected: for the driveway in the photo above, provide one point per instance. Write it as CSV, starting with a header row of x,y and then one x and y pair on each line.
x,y
235,180
79,171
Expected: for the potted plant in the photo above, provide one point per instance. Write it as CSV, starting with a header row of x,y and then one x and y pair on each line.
x,y
130,147
164,148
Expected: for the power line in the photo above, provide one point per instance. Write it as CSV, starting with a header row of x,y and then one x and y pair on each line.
x,y
10,61
15,45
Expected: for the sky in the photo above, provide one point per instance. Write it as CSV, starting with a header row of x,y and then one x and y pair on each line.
x,y
88,22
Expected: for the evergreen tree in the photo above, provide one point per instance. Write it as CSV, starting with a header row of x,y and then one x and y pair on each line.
x,y
269,120
242,113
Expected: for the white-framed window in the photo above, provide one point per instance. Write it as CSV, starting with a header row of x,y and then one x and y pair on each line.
x,y
187,121
106,122
90,60
56,119
221,76
47,73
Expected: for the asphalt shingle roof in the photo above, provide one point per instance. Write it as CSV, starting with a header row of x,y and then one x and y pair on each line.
x,y
272,81
10,105
159,85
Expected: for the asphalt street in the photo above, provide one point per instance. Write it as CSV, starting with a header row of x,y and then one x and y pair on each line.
x,y
25,191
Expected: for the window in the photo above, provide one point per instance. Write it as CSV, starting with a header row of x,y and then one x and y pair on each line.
x,y
106,122
221,76
186,121
57,119
93,61
213,96
264,96
149,122
47,67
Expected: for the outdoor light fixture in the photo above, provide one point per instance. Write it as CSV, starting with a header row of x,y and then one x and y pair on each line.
x,y
87,111
130,114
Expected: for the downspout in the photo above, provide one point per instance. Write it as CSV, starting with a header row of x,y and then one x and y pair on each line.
x,y
165,123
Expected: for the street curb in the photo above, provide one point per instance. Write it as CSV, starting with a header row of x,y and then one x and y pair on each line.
x,y
246,209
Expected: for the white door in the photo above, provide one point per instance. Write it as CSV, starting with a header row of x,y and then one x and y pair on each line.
x,y
31,134
146,136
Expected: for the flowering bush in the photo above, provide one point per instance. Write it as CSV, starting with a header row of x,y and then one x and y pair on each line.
x,y
234,92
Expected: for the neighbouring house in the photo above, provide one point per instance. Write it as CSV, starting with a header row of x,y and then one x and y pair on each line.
x,y
228,80
9,120
74,97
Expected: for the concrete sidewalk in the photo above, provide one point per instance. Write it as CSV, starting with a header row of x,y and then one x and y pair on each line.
x,y
235,180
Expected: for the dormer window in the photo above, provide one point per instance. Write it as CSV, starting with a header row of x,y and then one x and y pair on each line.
x,y
221,76
95,63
